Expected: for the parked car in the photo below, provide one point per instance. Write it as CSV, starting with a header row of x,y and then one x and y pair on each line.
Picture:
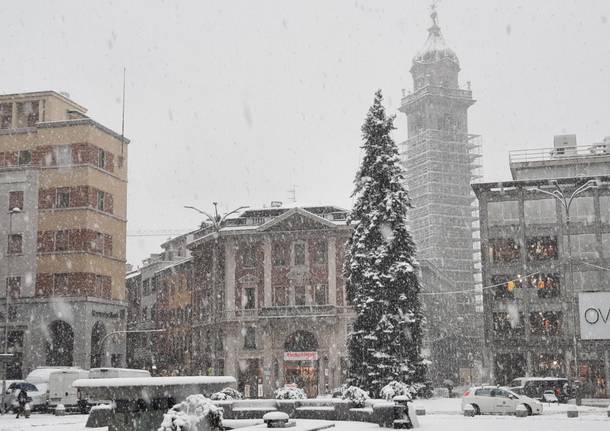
x,y
36,393
495,400
535,387
10,386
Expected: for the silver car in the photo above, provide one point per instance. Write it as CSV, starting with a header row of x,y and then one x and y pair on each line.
x,y
496,400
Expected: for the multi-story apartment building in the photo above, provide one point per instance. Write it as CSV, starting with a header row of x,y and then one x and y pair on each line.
x,y
63,197
536,266
159,296
269,302
440,158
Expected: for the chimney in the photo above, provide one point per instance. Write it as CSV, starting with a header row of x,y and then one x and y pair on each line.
x,y
276,204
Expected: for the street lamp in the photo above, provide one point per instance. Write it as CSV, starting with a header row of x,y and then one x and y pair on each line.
x,y
566,201
6,357
216,220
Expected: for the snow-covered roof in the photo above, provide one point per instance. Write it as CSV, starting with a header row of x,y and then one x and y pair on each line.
x,y
42,375
435,48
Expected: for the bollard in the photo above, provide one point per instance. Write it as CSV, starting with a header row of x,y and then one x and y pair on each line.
x,y
420,411
469,410
573,412
60,410
521,411
27,410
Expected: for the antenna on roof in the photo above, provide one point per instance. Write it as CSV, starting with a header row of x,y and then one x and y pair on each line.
x,y
123,114
292,193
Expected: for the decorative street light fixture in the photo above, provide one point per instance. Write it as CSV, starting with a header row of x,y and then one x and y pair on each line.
x,y
216,220
6,357
566,200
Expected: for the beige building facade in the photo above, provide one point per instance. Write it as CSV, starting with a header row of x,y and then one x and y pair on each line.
x,y
63,206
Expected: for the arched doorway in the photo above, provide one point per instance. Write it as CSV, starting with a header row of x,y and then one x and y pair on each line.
x,y
97,349
60,345
301,362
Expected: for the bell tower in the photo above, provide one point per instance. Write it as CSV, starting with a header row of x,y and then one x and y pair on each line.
x,y
440,158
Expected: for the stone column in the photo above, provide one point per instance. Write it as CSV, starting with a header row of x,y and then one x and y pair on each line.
x,y
332,270
229,276
529,370
231,347
267,365
267,289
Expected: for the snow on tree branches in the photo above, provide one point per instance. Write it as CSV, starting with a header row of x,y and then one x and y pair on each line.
x,y
380,266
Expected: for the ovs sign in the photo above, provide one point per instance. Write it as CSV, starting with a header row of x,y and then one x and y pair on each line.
x,y
594,308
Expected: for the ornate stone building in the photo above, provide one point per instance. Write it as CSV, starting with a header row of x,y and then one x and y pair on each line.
x,y
269,303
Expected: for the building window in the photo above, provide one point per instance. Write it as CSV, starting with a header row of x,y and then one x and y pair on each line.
x,y
503,213
545,323
541,248
146,287
320,252
299,295
249,257
546,285
582,210
540,211
62,198
62,240
24,158
507,325
299,253
320,297
13,286
584,246
97,244
280,296
505,285
604,209
15,243
100,201
6,115
504,250
101,159
60,284
27,114
15,200
280,254
249,301
99,285
250,338
63,155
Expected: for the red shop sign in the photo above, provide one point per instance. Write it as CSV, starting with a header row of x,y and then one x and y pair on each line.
x,y
300,356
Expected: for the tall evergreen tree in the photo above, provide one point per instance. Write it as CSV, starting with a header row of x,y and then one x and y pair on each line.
x,y
380,267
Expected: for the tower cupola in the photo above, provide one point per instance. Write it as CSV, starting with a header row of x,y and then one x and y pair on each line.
x,y
435,64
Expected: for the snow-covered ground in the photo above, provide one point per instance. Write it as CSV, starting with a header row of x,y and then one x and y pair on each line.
x,y
441,415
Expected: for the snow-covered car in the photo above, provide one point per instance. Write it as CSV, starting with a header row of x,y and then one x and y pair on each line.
x,y
549,396
495,400
37,393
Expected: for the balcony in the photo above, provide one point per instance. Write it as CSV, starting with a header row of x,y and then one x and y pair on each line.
x,y
290,312
432,90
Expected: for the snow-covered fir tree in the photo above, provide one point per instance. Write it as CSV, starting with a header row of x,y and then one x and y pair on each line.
x,y
380,267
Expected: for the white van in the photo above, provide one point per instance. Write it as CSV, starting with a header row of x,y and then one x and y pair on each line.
x,y
40,378
60,387
84,404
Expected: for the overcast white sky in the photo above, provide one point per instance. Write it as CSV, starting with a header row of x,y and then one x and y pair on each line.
x,y
236,101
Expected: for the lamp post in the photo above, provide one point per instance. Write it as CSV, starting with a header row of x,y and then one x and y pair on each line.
x,y
216,221
6,357
132,331
566,202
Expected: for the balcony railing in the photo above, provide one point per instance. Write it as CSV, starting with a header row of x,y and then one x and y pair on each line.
x,y
433,90
546,154
285,312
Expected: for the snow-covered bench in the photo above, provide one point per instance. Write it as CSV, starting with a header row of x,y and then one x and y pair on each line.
x,y
252,409
139,403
